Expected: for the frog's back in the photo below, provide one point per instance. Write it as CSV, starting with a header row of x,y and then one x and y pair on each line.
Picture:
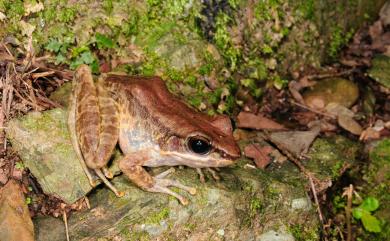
x,y
153,108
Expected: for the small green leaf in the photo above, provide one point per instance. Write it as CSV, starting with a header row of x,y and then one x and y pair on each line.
x,y
357,213
87,57
370,204
371,223
60,59
103,41
19,165
76,51
28,200
53,46
74,64
94,67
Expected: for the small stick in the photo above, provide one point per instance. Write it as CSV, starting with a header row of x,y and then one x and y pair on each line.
x,y
313,189
65,218
2,139
348,212
327,75
312,110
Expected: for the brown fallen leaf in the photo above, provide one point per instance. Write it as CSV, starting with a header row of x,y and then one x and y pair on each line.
x,y
349,124
15,221
258,122
296,142
260,154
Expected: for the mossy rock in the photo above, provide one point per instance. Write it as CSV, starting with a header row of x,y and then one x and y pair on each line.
x,y
380,70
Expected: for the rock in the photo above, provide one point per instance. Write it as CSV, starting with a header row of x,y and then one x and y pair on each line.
x,y
337,90
377,183
61,95
246,203
42,142
15,221
380,70
187,55
329,157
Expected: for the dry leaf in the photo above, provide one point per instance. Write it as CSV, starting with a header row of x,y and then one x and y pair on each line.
x,y
260,154
249,120
296,142
349,124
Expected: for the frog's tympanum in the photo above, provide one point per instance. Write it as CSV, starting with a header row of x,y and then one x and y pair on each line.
x,y
153,128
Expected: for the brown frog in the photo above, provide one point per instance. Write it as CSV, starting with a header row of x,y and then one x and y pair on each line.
x,y
153,128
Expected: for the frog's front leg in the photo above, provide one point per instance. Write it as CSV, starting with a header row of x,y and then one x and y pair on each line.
x,y
131,165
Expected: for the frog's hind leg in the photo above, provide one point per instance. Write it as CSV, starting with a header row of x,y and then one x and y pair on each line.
x,y
96,122
75,143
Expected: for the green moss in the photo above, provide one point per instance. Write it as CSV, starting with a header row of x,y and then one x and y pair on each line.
x,y
255,206
308,9
158,217
302,233
224,42
338,40
135,236
13,9
381,152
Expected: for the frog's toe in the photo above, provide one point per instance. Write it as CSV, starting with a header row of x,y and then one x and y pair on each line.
x,y
108,184
161,186
214,173
107,173
210,170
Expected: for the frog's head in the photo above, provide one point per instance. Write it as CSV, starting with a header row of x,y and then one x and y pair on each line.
x,y
210,144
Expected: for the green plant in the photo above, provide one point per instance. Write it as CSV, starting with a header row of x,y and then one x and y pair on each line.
x,y
364,213
19,165
28,200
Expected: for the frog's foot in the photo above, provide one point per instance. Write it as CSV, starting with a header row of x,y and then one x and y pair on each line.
x,y
211,171
107,173
161,185
108,183
91,178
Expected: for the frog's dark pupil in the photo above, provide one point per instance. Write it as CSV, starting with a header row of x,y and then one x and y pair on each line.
x,y
199,146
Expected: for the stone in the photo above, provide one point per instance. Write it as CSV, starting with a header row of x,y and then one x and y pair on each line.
x,y
231,208
247,204
380,70
15,221
43,143
332,90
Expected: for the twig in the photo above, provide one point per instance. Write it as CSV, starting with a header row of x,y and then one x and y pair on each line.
x,y
65,218
313,189
312,110
348,209
328,75
2,137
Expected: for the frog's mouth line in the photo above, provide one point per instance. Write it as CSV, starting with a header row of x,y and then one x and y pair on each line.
x,y
196,161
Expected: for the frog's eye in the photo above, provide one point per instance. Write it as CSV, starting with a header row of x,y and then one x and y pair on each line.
x,y
199,145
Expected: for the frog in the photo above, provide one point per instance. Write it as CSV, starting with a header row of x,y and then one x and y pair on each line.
x,y
151,126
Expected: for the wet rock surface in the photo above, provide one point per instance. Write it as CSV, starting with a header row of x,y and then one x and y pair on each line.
x,y
246,204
